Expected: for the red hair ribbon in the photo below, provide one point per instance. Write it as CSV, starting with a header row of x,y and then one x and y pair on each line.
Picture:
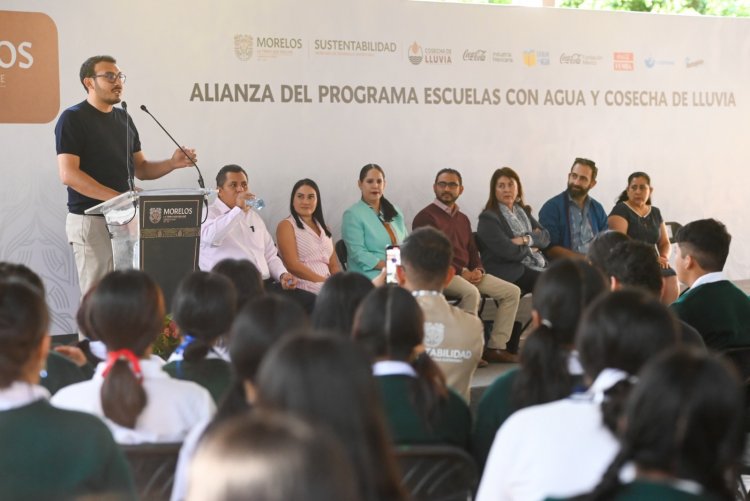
x,y
127,355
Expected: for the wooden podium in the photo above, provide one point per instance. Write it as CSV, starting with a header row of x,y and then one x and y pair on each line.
x,y
157,231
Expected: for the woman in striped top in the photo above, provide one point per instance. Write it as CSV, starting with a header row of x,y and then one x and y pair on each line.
x,y
304,240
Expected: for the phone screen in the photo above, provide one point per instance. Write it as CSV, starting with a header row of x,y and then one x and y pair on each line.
x,y
392,260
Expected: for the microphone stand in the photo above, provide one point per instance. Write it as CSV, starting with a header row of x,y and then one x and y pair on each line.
x,y
128,161
128,156
200,176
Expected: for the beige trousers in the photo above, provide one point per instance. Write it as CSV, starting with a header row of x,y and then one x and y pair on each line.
x,y
92,248
505,293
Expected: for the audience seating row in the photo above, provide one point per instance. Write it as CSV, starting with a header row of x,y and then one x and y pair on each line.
x,y
429,472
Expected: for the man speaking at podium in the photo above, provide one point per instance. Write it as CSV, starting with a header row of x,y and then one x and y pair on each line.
x,y
98,152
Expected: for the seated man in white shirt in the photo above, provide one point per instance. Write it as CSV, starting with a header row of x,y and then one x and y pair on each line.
x,y
233,229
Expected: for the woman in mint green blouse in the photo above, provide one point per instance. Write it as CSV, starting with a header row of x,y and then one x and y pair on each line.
x,y
371,224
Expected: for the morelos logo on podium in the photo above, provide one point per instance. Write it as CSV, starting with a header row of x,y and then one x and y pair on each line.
x,y
170,213
154,215
29,68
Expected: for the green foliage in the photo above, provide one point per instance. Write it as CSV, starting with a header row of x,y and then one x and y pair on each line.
x,y
168,340
731,8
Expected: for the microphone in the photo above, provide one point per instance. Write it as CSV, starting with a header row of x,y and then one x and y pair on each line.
x,y
200,176
128,156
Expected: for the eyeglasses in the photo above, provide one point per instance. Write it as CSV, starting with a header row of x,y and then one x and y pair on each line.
x,y
111,77
451,185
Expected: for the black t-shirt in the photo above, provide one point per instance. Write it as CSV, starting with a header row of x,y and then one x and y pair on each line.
x,y
99,140
646,229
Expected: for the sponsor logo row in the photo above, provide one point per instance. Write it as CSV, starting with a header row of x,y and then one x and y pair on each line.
x,y
248,47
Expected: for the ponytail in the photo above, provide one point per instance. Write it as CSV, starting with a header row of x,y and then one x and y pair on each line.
x,y
610,482
543,376
613,405
428,389
122,394
388,210
196,350
390,326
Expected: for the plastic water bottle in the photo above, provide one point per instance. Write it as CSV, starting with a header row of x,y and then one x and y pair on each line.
x,y
255,203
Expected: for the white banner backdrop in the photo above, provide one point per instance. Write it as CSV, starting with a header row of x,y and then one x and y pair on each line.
x,y
292,89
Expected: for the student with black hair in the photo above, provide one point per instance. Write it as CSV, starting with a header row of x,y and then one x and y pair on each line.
x,y
633,263
338,301
371,224
712,304
130,392
682,429
550,368
245,277
419,407
601,246
47,453
203,308
65,365
257,327
327,381
562,448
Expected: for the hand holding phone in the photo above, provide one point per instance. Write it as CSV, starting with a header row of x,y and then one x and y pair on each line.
x,y
392,261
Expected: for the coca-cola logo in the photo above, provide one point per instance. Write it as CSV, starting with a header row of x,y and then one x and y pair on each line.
x,y
475,55
571,58
580,59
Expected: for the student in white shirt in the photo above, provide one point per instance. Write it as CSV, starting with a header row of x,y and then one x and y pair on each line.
x,y
562,448
683,430
134,396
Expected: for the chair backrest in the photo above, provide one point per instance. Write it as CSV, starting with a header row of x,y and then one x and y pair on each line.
x,y
672,228
437,472
153,468
341,253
